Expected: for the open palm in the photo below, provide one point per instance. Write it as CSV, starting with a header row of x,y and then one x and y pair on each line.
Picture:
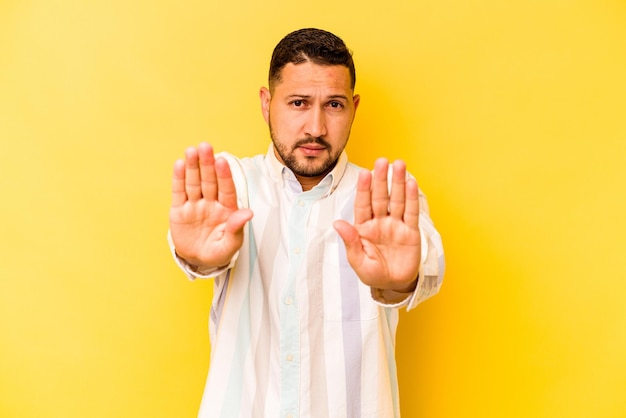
x,y
384,245
205,223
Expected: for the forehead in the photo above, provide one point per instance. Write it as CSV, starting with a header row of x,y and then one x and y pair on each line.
x,y
310,75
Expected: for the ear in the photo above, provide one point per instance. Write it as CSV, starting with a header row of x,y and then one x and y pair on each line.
x,y
356,100
266,98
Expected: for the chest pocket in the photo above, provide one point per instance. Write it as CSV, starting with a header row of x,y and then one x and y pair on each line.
x,y
343,296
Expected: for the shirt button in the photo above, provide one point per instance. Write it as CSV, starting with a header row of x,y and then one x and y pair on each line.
x,y
300,202
289,300
297,250
289,357
289,416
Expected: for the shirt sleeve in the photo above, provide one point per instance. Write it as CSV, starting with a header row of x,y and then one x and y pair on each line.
x,y
431,269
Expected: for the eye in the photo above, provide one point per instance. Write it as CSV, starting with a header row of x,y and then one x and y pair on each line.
x,y
336,105
297,103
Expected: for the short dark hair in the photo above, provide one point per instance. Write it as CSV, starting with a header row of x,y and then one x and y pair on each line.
x,y
310,44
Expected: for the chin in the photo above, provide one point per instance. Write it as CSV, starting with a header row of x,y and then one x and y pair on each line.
x,y
308,168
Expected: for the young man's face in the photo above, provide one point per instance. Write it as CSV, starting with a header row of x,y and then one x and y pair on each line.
x,y
310,113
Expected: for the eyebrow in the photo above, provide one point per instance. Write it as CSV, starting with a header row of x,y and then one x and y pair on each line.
x,y
305,96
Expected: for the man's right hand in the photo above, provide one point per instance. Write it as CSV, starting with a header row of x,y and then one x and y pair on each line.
x,y
205,223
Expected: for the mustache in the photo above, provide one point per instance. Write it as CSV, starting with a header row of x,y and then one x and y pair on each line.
x,y
312,140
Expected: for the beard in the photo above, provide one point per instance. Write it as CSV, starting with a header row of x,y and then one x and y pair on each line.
x,y
306,166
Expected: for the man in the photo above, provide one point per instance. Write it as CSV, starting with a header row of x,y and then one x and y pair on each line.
x,y
311,255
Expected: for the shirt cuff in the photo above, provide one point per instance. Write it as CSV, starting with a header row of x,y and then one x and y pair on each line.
x,y
390,298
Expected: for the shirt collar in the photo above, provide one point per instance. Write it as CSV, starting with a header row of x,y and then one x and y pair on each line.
x,y
280,173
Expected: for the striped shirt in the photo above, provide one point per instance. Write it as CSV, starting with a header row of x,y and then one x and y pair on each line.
x,y
294,332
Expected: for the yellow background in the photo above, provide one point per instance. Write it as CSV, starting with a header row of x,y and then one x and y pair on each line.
x,y
510,113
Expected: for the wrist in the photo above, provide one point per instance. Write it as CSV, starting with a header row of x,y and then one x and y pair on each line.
x,y
408,289
195,264
393,296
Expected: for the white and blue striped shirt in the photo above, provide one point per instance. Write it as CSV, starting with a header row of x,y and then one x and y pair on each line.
x,y
294,332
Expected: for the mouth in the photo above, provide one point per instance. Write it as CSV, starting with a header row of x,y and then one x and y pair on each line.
x,y
311,150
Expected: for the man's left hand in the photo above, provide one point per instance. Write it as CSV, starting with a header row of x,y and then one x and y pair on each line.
x,y
384,246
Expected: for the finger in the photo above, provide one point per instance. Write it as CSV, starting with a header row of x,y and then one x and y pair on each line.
x,y
397,197
179,196
226,192
237,220
363,198
380,192
412,209
192,174
352,241
208,178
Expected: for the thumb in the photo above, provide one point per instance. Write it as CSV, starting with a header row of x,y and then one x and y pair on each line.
x,y
352,240
237,220
347,232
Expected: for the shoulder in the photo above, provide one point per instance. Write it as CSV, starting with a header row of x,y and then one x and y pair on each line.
x,y
245,164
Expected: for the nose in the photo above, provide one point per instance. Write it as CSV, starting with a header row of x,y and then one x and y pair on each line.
x,y
315,123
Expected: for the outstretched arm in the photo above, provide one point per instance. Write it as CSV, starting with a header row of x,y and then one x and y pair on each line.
x,y
206,225
384,244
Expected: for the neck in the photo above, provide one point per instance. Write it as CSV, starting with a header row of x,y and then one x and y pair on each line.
x,y
308,183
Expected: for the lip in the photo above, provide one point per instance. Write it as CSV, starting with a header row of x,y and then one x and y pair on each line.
x,y
312,150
